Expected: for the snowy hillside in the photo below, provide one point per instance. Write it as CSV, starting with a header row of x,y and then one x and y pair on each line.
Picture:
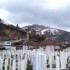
x,y
53,33
51,30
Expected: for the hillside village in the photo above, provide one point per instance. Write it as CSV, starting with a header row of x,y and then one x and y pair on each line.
x,y
16,37
29,48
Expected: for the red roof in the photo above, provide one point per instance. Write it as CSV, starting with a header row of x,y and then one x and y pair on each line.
x,y
48,42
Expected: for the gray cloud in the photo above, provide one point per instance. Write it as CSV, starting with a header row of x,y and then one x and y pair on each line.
x,y
22,11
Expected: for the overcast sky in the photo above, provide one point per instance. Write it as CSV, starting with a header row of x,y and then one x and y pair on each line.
x,y
53,13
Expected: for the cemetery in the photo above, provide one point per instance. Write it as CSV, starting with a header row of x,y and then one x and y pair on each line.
x,y
36,59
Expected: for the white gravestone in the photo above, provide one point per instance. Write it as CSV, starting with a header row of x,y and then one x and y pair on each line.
x,y
57,62
63,60
23,64
39,61
6,64
14,64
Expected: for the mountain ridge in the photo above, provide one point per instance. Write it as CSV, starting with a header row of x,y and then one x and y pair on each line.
x,y
53,33
48,32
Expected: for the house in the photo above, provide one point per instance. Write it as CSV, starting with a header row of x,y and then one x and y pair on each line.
x,y
50,45
1,37
38,32
31,45
7,43
33,32
18,44
13,44
10,48
18,47
14,37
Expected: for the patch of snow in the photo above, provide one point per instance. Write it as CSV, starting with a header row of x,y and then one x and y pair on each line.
x,y
51,30
43,31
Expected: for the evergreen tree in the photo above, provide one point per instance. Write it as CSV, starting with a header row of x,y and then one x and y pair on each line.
x,y
17,26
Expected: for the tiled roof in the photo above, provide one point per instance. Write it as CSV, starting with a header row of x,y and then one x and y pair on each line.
x,y
43,43
48,42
